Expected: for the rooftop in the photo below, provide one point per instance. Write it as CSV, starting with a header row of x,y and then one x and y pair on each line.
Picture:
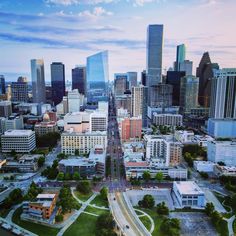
x,y
188,187
81,161
46,195
136,164
18,132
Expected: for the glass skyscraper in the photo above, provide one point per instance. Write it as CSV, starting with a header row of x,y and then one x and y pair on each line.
x,y
79,79
2,85
58,82
180,56
97,77
38,81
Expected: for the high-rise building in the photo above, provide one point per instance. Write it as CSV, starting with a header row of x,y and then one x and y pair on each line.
x,y
154,57
223,94
120,83
74,101
5,108
58,82
19,90
38,81
180,56
2,85
205,72
174,78
144,78
186,66
132,79
79,79
97,77
188,93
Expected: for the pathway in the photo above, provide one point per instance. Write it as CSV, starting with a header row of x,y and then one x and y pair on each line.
x,y
230,222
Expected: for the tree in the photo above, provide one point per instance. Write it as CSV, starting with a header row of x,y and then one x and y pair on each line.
x,y
33,191
60,176
159,176
105,225
76,175
67,176
162,209
41,161
204,175
209,208
216,217
13,153
146,175
84,187
147,202
48,140
59,218
104,192
77,152
61,156
221,163
170,227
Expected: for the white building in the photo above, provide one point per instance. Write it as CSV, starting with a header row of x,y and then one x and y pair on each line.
x,y
184,136
225,170
202,140
18,140
167,119
83,142
137,100
74,101
98,121
222,151
103,106
189,194
204,166
13,122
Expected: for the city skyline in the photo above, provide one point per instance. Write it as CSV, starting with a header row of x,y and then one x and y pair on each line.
x,y
71,30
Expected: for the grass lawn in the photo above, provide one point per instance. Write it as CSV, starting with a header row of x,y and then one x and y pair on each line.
x,y
222,228
83,197
138,213
234,226
156,218
38,229
221,199
95,210
145,220
85,225
99,201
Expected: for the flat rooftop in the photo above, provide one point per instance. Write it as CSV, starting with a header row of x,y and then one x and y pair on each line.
x,y
18,132
188,188
46,195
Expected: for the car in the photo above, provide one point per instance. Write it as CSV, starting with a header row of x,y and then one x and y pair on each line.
x,y
127,226
114,198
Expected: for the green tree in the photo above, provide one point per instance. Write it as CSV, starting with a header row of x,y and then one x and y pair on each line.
x,y
147,202
33,191
159,176
170,227
104,192
59,218
209,208
41,161
162,209
13,153
105,225
60,176
146,175
76,175
84,187
216,218
204,175
61,156
77,152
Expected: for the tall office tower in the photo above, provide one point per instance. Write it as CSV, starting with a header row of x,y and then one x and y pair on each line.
x,y
97,77
120,83
180,56
188,93
73,98
154,58
186,66
19,90
2,85
162,96
38,81
205,72
223,94
139,103
58,82
79,79
174,78
132,79
144,78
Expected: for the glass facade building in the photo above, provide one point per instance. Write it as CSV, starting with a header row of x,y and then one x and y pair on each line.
x,y
180,56
79,79
97,77
58,82
2,85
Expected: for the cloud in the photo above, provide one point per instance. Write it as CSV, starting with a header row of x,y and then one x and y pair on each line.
x,y
97,12
76,2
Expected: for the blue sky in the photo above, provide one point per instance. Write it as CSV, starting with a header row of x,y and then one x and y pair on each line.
x,y
70,30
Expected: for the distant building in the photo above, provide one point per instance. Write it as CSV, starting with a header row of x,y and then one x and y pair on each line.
x,y
124,101
180,56
132,79
167,119
144,78
79,79
2,85
74,101
5,108
120,83
184,136
187,67
204,166
189,194
19,140
19,90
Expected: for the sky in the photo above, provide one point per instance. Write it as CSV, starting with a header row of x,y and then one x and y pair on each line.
x,y
70,30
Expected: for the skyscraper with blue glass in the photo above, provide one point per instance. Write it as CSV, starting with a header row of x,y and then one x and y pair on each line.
x,y
97,77
180,56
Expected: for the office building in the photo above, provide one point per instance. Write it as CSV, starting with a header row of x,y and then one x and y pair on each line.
x,y
186,66
180,56
184,136
154,58
97,77
189,194
188,93
205,72
167,119
74,102
144,78
222,151
79,79
2,85
83,142
120,83
38,81
19,90
5,108
124,101
223,94
14,121
98,121
22,141
204,166
58,82
174,78
132,79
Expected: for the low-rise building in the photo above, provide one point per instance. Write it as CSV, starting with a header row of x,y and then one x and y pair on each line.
x,y
167,119
202,140
189,194
204,166
184,136
225,170
22,141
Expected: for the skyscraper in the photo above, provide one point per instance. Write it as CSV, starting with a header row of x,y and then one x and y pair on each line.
x,y
186,66
223,94
19,90
79,79
154,57
205,72
132,79
120,83
38,81
2,85
97,77
180,56
144,78
58,82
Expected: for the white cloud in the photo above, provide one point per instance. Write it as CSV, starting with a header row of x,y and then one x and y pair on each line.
x,y
75,2
97,11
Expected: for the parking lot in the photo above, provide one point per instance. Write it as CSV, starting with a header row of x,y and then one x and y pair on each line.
x,y
194,223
